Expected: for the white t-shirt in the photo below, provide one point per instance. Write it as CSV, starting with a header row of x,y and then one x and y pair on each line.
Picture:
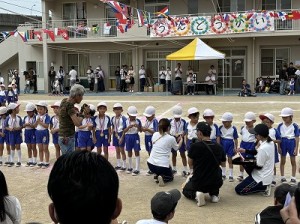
x,y
168,75
142,73
13,210
210,79
162,146
73,74
162,74
150,221
178,72
265,159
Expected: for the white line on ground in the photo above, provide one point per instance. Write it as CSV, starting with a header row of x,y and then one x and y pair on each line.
x,y
167,111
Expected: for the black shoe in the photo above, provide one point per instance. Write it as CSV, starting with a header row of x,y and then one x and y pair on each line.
x,y
6,163
117,167
40,165
1,163
174,171
28,164
18,164
45,165
32,164
11,164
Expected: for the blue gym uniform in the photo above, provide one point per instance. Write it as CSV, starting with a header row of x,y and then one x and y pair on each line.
x,y
15,137
191,133
10,96
85,136
275,135
55,125
29,132
248,141
288,135
152,125
177,130
118,125
227,139
132,138
102,126
215,132
6,137
41,133
2,97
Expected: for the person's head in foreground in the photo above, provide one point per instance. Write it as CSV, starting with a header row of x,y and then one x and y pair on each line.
x,y
76,93
83,187
163,205
3,194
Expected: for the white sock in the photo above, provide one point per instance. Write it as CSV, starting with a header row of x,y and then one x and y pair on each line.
x,y
137,163
174,168
34,160
191,170
294,178
124,163
185,168
19,155
12,155
223,171
282,177
130,162
230,172
274,177
30,160
242,174
118,162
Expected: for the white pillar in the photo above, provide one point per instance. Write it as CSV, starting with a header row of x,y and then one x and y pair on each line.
x,y
45,45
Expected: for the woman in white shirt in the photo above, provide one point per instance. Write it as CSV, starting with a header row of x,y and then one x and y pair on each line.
x,y
168,79
131,75
178,72
162,76
10,208
142,74
260,178
159,160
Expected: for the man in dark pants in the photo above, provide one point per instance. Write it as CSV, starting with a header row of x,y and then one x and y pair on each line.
x,y
34,79
205,158
283,77
291,70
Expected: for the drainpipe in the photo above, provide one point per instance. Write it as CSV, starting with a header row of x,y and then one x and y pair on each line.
x,y
253,60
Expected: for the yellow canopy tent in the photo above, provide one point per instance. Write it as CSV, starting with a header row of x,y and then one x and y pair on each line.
x,y
197,50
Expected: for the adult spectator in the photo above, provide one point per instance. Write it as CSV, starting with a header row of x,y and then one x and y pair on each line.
x,y
210,82
73,76
260,178
212,70
118,78
271,214
169,79
51,75
162,75
81,198
130,76
205,158
61,76
178,72
123,75
291,70
189,71
283,77
68,119
245,89
10,208
17,80
33,75
91,78
159,160
163,205
101,76
142,74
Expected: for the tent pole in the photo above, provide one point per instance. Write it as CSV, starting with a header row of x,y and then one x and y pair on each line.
x,y
223,76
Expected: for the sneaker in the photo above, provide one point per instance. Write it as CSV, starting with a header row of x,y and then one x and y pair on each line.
x,y
11,164
1,163
174,171
240,178
293,181
155,177
18,164
6,163
184,173
28,164
224,177
283,180
273,184
135,173
149,173
215,199
161,182
129,170
123,168
267,192
230,179
200,199
40,165
32,164
45,165
117,167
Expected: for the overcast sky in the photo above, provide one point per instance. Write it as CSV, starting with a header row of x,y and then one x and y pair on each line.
x,y
21,7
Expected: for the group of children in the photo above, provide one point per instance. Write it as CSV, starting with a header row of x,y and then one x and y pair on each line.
x,y
8,96
100,131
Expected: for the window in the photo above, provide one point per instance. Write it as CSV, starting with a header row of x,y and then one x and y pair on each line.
x,y
80,62
231,5
119,59
73,11
192,6
154,61
276,4
153,6
272,60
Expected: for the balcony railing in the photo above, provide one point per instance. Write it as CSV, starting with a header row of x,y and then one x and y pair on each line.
x,y
95,28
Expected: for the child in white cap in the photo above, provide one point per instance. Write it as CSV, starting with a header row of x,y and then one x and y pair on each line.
x,y
2,95
132,139
229,141
102,130
150,127
178,131
289,132
118,124
190,128
4,137
208,116
30,139
10,95
268,119
54,127
248,139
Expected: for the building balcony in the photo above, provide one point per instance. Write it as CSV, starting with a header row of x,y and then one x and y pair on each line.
x,y
97,30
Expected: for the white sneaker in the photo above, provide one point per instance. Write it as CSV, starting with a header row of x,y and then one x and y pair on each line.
x,y
215,199
161,182
200,199
267,192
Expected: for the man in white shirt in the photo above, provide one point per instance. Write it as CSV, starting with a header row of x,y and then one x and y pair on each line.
x,y
142,74
210,82
73,76
163,206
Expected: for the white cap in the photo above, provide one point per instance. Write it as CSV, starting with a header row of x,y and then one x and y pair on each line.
x,y
9,86
92,107
3,110
12,106
227,116
177,111
193,110
42,104
77,107
149,111
2,85
268,116
286,112
101,104
249,116
208,113
132,111
56,104
98,68
29,107
117,105
89,71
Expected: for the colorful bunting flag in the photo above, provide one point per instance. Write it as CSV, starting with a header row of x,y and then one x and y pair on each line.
x,y
63,33
296,15
50,33
163,13
38,34
23,36
140,16
106,28
282,15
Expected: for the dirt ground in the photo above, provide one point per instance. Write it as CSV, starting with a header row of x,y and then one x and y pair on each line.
x,y
29,185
